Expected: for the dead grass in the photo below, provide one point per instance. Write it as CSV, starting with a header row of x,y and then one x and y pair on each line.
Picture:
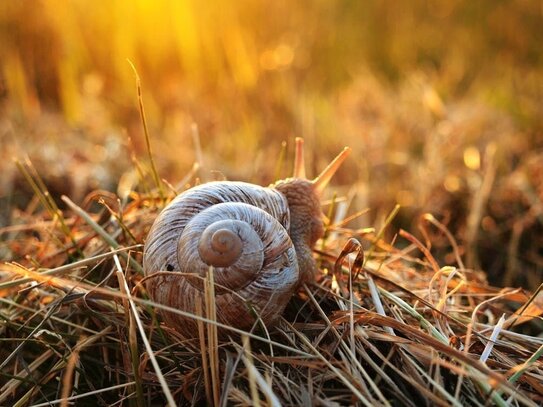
x,y
441,103
383,324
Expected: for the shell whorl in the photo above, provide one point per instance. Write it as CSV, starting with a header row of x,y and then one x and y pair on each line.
x,y
210,220
261,237
221,243
161,255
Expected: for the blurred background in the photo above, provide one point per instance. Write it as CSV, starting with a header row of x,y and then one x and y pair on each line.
x,y
441,101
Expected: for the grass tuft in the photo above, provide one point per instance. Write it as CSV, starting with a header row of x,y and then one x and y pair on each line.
x,y
383,324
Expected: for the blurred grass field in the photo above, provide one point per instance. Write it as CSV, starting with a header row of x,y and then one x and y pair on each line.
x,y
436,99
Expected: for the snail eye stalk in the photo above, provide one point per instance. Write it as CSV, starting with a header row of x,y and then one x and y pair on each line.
x,y
299,163
322,180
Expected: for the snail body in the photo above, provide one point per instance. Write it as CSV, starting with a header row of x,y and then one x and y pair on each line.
x,y
258,242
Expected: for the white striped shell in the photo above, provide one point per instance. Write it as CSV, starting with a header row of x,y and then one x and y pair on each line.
x,y
265,272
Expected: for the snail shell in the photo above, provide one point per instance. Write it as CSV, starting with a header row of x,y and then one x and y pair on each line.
x,y
264,272
256,240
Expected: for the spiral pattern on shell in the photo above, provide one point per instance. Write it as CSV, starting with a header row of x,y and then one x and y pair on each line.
x,y
253,259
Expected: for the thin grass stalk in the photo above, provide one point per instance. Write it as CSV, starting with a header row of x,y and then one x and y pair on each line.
x,y
203,350
154,171
381,232
118,217
512,321
139,170
519,370
194,131
414,313
62,269
83,395
380,369
431,219
160,376
256,378
47,196
280,161
492,340
213,341
39,188
480,197
101,232
9,388
449,397
67,375
132,341
351,313
251,371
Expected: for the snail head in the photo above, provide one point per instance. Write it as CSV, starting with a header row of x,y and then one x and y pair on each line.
x,y
303,198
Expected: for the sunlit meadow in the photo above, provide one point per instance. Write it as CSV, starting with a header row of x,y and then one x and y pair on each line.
x,y
441,102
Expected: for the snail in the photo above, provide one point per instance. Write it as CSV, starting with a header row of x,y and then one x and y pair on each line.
x,y
258,242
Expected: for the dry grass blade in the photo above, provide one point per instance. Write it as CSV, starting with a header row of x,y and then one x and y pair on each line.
x,y
212,336
255,378
532,308
132,340
519,370
10,387
204,352
492,340
248,360
41,191
476,213
199,164
154,171
58,271
68,376
98,229
83,395
428,217
149,350
280,160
